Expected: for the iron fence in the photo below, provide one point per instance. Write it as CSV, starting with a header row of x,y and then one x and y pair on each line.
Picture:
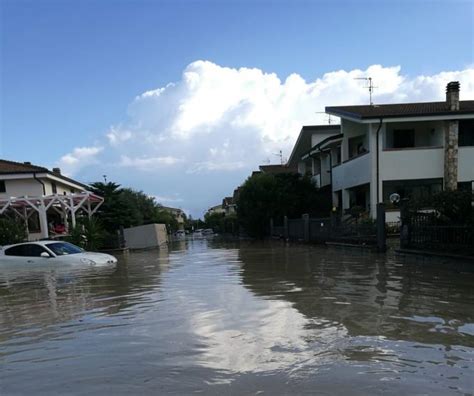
x,y
424,232
328,229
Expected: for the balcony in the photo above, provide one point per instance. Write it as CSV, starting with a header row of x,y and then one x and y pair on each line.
x,y
412,163
466,163
354,172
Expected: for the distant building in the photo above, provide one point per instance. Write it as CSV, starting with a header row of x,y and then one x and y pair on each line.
x,y
229,206
44,199
309,137
216,209
178,215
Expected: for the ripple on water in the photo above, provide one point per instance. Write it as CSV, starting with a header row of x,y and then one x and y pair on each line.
x,y
206,315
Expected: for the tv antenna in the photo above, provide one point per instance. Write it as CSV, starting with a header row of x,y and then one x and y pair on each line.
x,y
329,116
105,178
280,154
370,86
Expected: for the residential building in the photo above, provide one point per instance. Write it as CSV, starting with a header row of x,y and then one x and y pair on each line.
x,y
413,149
216,209
276,169
229,206
178,215
309,137
43,198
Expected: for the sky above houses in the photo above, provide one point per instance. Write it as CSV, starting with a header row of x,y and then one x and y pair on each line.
x,y
183,99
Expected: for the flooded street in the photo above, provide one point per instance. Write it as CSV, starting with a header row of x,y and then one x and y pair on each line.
x,y
239,318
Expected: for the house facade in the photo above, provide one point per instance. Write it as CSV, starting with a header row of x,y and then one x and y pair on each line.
x,y
43,197
178,214
309,137
413,149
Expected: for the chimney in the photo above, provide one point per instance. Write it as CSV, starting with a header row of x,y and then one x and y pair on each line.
x,y
57,170
452,95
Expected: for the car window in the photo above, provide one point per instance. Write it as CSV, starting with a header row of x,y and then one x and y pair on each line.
x,y
63,248
26,250
19,250
35,250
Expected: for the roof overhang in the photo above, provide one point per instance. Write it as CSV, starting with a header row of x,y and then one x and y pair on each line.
x,y
446,116
322,146
304,140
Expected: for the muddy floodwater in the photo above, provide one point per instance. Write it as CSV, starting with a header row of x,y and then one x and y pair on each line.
x,y
219,318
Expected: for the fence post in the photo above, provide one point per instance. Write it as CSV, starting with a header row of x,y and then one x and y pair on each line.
x,y
381,237
285,227
271,227
305,227
405,226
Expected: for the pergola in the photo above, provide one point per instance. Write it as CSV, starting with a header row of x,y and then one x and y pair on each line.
x,y
67,206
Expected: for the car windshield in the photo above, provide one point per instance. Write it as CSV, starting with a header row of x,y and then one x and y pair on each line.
x,y
63,248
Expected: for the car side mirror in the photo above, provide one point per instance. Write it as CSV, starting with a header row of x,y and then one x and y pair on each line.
x,y
45,255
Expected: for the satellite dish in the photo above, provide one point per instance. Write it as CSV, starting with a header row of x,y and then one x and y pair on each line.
x,y
394,198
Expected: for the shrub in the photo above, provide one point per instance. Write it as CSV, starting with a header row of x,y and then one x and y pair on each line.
x,y
88,234
264,196
11,231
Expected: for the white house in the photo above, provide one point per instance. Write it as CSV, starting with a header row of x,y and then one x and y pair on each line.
x,y
310,136
414,149
41,197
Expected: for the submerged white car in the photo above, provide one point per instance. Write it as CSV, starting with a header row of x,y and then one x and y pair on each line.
x,y
43,252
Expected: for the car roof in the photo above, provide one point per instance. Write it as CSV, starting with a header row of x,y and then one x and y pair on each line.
x,y
42,243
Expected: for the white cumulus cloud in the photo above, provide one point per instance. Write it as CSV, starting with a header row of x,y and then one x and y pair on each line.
x,y
79,158
203,134
147,163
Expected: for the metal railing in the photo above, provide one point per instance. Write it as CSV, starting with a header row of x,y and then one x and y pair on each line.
x,y
423,231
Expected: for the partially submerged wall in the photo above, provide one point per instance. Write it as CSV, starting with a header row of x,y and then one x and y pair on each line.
x,y
146,236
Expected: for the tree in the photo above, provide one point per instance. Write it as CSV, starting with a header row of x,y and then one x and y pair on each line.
x,y
162,216
264,196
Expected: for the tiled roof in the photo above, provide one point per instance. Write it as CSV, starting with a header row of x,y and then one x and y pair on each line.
x,y
7,167
318,146
303,143
275,169
315,128
12,167
401,110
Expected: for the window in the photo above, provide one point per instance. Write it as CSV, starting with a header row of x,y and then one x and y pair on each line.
x,y
337,156
2,186
54,188
26,250
466,133
19,250
403,138
357,146
466,186
412,189
63,248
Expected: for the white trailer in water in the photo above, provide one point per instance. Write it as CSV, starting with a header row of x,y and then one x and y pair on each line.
x,y
146,236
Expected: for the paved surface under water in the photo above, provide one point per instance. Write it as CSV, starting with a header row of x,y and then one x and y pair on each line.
x,y
239,318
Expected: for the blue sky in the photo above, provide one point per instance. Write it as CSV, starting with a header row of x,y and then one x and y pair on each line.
x,y
71,71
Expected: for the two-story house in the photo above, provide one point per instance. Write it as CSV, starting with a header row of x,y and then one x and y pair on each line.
x,y
310,137
413,149
178,214
43,197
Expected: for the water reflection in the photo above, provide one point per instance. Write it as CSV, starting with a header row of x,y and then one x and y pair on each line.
x,y
204,315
